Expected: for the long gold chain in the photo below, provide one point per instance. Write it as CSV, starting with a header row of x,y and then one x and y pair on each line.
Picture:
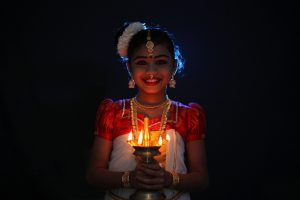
x,y
133,112
164,116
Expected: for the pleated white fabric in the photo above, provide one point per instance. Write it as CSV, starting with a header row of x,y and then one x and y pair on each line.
x,y
122,159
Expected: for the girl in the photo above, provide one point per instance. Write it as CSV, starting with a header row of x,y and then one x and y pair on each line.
x,y
152,60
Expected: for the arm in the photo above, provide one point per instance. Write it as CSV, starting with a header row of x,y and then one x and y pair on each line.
x,y
97,173
197,178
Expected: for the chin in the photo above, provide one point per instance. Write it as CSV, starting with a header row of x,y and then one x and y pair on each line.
x,y
153,91
158,89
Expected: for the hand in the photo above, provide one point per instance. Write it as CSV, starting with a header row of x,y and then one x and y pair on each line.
x,y
150,176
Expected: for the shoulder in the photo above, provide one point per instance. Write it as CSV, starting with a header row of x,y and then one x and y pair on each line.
x,y
190,107
109,108
191,120
192,112
110,104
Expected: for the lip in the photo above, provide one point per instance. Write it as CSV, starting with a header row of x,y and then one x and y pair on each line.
x,y
151,81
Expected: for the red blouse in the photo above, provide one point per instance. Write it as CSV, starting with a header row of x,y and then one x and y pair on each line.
x,y
113,119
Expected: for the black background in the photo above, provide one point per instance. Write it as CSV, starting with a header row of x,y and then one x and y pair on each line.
x,y
59,62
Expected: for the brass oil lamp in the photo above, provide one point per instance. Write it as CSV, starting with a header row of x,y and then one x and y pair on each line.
x,y
145,150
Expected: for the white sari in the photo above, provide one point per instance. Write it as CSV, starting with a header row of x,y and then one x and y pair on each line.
x,y
122,159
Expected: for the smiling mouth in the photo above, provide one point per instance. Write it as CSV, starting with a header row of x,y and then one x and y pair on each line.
x,y
152,81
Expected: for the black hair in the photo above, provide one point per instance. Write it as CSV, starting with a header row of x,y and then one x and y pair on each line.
x,y
159,35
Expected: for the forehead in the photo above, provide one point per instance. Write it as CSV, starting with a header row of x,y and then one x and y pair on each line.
x,y
159,49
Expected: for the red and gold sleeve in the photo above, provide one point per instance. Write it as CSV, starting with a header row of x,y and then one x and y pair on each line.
x,y
105,119
196,122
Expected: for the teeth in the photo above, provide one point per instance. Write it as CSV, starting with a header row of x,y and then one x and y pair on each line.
x,y
151,80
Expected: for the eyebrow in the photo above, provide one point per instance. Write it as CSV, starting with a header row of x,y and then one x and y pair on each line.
x,y
144,57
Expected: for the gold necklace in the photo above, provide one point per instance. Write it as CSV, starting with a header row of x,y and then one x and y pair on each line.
x,y
150,107
134,122
164,116
133,113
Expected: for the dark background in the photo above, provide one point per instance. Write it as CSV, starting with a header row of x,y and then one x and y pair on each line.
x,y
58,63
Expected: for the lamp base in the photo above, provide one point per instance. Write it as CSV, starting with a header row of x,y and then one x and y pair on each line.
x,y
146,154
148,195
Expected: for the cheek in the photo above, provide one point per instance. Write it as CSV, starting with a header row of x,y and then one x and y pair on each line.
x,y
138,70
167,73
136,74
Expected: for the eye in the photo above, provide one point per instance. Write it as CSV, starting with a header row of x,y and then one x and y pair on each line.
x,y
141,62
161,62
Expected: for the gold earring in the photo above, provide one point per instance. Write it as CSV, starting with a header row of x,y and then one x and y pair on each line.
x,y
131,83
172,83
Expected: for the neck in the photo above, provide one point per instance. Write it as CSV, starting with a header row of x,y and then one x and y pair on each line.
x,y
151,99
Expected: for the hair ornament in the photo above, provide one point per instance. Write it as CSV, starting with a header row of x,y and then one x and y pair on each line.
x,y
149,44
126,36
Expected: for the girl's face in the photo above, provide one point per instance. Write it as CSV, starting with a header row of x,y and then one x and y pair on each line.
x,y
152,74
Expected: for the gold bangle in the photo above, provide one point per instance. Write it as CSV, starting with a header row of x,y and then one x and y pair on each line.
x,y
176,179
125,180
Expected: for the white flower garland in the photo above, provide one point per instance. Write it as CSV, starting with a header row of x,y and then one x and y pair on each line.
x,y
125,38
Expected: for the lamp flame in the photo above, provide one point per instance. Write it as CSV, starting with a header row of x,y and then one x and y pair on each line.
x,y
140,140
160,140
130,136
168,137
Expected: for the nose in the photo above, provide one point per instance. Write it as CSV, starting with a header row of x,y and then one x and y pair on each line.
x,y
151,67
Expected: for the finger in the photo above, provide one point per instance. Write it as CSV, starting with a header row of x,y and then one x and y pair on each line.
x,y
155,166
149,180
151,172
150,187
139,165
140,172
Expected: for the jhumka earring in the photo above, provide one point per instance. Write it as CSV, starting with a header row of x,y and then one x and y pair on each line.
x,y
149,44
172,82
131,83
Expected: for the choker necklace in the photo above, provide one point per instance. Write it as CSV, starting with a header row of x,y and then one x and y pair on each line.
x,y
150,107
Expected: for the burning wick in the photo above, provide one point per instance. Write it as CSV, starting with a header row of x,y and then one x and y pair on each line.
x,y
160,141
140,140
130,136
